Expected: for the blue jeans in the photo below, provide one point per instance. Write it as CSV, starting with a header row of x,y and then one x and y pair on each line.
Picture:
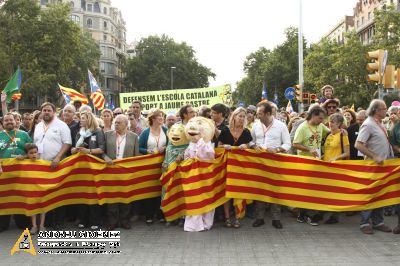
x,y
376,216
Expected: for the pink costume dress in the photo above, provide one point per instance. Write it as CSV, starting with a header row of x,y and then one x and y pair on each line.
x,y
203,151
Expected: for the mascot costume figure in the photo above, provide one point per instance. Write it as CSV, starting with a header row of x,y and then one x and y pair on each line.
x,y
199,131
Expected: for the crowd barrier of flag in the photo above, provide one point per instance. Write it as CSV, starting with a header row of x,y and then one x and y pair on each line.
x,y
194,187
32,187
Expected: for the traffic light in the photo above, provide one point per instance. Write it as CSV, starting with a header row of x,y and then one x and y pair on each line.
x,y
388,77
397,78
313,98
376,65
306,97
299,97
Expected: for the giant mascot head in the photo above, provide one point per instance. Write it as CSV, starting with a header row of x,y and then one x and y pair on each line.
x,y
199,127
177,136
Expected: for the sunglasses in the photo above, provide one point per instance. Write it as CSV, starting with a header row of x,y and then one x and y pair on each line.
x,y
331,107
117,113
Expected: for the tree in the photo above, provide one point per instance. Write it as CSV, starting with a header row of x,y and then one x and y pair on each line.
x,y
47,45
277,68
387,33
342,66
150,67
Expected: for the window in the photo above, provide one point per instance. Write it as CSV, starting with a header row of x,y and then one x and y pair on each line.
x,y
103,50
89,23
96,7
72,4
105,37
43,2
75,18
102,67
83,4
105,10
105,25
362,20
89,7
369,16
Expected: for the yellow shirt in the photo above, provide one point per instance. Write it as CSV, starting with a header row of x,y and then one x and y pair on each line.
x,y
332,146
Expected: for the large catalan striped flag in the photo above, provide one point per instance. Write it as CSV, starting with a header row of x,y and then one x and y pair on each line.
x,y
72,95
32,187
96,95
194,187
310,183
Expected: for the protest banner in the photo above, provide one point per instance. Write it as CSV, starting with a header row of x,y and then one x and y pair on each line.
x,y
173,100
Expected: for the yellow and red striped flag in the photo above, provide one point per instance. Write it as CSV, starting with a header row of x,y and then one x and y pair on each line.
x,y
32,187
16,96
98,100
194,187
72,95
96,95
310,183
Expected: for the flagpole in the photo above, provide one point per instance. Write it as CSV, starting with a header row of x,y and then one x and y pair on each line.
x,y
300,52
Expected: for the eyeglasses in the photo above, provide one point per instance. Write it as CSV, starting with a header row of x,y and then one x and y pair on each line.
x,y
117,113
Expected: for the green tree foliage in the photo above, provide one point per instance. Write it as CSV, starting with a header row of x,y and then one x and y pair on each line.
x,y
387,33
278,68
47,45
342,66
150,67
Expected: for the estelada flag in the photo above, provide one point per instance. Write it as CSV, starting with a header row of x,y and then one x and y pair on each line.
x,y
72,95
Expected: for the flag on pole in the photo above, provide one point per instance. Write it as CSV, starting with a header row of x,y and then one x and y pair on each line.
x,y
264,95
96,95
289,107
13,85
72,95
16,96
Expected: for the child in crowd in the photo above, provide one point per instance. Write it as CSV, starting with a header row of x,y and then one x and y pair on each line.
x,y
32,154
327,92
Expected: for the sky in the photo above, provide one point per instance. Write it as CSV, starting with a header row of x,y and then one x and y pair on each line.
x,y
224,32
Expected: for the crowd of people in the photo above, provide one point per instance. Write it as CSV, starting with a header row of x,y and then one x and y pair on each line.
x,y
326,131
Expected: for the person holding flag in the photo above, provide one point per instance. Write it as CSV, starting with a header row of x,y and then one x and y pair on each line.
x,y
13,86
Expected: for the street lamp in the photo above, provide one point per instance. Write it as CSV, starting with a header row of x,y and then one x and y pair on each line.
x,y
172,77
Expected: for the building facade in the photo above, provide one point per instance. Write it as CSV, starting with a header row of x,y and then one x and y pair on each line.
x,y
364,17
362,21
107,27
338,32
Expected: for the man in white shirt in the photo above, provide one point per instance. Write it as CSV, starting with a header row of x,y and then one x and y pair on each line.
x,y
53,139
52,136
270,134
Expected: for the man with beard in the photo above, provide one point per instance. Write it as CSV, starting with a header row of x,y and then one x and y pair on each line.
x,y
12,144
53,139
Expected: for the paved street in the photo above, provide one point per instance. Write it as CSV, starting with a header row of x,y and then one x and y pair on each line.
x,y
296,244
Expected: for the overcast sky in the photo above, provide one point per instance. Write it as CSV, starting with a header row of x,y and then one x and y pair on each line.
x,y
224,32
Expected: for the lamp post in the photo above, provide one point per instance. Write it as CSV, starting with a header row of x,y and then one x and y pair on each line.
x,y
172,77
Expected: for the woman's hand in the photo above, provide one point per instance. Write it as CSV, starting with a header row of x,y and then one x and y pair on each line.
x,y
243,146
227,147
74,150
84,150
108,161
162,149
